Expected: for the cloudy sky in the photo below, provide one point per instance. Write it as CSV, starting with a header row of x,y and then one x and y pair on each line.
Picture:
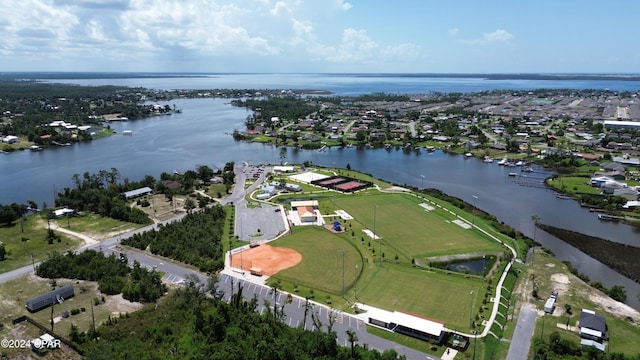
x,y
289,36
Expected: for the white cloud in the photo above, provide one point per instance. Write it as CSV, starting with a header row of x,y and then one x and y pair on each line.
x,y
454,31
343,5
498,35
280,7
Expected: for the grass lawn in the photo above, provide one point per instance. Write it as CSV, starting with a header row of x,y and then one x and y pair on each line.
x,y
321,265
439,296
413,232
19,252
97,226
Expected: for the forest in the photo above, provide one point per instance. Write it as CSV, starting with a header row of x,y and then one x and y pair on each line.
x,y
195,240
112,274
28,105
101,193
189,325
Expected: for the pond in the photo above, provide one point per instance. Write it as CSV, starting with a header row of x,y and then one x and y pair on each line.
x,y
476,266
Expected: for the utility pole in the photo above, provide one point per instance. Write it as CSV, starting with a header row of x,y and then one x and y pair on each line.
x,y
342,251
473,218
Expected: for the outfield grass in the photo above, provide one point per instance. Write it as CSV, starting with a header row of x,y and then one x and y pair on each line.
x,y
413,232
321,265
36,248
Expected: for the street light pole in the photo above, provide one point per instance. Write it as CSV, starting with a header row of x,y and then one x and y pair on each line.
x,y
374,221
355,280
342,251
471,310
473,211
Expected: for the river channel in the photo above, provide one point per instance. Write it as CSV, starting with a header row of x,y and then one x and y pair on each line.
x,y
200,135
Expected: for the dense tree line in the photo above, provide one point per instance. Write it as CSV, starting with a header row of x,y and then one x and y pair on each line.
x,y
102,194
195,240
560,348
112,274
11,213
284,107
40,103
188,325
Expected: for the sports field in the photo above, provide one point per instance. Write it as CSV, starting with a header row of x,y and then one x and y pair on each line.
x,y
434,295
321,265
407,230
412,231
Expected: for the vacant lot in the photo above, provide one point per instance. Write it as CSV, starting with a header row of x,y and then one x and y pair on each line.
x,y
25,241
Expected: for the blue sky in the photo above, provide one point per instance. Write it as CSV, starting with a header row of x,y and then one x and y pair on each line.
x,y
411,36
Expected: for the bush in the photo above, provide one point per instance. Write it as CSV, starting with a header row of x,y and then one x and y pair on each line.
x,y
75,311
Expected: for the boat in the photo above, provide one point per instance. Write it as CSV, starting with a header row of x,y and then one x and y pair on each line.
x,y
323,148
487,159
504,161
564,197
527,169
127,132
520,163
35,148
468,155
513,174
606,217
430,148
387,146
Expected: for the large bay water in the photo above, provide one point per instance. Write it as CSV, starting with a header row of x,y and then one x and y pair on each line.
x,y
200,135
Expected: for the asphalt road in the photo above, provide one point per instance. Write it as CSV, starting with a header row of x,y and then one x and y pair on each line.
x,y
295,312
521,340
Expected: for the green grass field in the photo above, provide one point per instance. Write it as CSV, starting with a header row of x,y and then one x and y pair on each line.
x,y
413,232
440,296
393,284
321,265
20,253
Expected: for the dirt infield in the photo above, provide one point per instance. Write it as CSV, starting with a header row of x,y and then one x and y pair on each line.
x,y
268,258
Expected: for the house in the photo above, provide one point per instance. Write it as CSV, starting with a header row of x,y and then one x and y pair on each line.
x,y
63,212
629,194
592,327
306,210
613,166
10,139
52,297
